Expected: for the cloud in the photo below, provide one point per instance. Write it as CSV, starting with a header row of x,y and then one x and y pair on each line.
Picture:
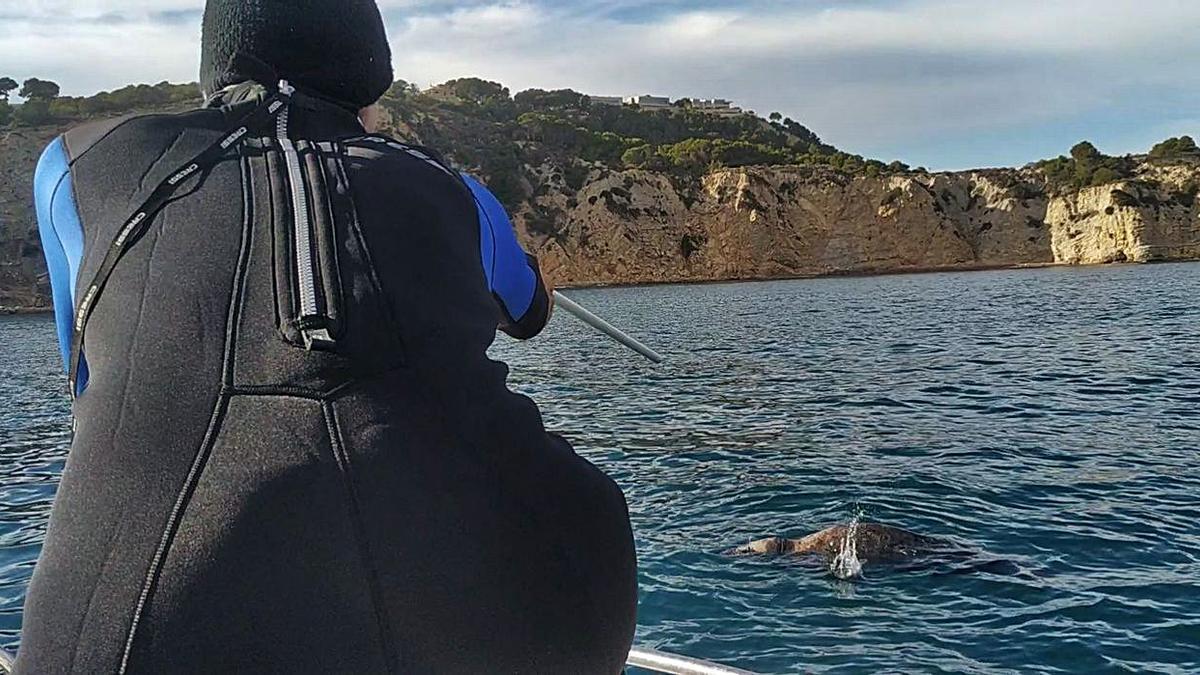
x,y
90,45
875,78
884,77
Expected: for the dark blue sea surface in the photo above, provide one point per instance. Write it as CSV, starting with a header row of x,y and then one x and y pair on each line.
x,y
1045,422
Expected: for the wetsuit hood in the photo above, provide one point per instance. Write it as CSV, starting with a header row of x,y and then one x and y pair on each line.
x,y
336,49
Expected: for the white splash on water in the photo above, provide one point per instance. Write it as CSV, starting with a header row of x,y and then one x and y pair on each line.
x,y
846,564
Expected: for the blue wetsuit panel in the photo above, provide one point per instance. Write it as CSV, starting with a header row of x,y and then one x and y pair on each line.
x,y
509,275
61,232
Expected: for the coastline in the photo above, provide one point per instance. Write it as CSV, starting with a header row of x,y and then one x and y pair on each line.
x,y
857,274
25,311
849,274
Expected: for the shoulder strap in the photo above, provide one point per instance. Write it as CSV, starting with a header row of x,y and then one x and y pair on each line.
x,y
139,223
421,153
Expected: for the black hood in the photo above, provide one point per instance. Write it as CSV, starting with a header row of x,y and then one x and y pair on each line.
x,y
337,49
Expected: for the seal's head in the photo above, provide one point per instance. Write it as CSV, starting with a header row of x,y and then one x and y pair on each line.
x,y
335,49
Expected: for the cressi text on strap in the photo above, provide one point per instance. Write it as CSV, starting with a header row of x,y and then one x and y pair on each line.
x,y
139,223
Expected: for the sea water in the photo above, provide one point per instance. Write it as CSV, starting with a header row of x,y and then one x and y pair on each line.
x,y
1048,421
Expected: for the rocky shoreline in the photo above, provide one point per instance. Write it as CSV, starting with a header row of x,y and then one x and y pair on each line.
x,y
760,223
23,311
965,269
46,311
592,225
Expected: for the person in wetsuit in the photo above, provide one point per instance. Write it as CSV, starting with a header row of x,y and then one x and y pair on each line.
x,y
292,453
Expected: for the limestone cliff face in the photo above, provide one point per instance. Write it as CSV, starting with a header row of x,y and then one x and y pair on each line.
x,y
1128,222
772,222
23,281
593,225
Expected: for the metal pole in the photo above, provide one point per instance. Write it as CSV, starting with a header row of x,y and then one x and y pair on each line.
x,y
605,327
661,662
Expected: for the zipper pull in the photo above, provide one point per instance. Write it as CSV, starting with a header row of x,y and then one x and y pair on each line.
x,y
286,88
318,339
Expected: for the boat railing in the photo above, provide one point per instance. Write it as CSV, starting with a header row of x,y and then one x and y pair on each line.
x,y
646,659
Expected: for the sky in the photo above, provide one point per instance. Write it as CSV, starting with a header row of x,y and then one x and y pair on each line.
x,y
946,84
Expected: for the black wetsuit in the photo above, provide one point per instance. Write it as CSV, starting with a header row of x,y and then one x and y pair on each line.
x,y
285,471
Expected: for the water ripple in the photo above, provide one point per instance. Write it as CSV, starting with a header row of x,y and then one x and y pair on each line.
x,y
1043,421
34,435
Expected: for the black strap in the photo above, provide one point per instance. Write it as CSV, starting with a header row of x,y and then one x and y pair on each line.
x,y
139,223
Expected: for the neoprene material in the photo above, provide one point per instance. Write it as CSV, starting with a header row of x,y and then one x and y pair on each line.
x,y
237,502
504,263
61,234
512,275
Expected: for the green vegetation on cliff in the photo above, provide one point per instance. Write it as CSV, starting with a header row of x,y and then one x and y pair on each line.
x,y
1086,167
43,105
1176,149
611,193
479,124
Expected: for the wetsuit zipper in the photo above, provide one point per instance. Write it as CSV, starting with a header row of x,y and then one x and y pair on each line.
x,y
315,336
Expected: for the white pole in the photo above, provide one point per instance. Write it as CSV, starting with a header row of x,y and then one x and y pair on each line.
x,y
605,327
661,662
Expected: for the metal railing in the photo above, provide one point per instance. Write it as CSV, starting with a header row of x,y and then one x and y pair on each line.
x,y
647,659
670,664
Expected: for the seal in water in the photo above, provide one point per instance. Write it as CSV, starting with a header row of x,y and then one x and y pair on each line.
x,y
845,548
872,542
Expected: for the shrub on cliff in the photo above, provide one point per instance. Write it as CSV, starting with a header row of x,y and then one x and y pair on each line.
x,y
551,130
502,169
481,98
693,155
478,126
1185,195
575,176
1103,176
6,113
697,155
568,137
39,90
463,117
638,156
470,90
874,168
560,99
48,106
1175,148
32,113
402,89
894,195
1086,167
691,244
1084,151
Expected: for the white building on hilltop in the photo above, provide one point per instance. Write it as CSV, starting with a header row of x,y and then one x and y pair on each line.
x,y
711,106
614,101
650,102
717,106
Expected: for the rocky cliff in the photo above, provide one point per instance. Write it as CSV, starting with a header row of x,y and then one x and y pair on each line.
x,y
780,222
591,223
23,282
